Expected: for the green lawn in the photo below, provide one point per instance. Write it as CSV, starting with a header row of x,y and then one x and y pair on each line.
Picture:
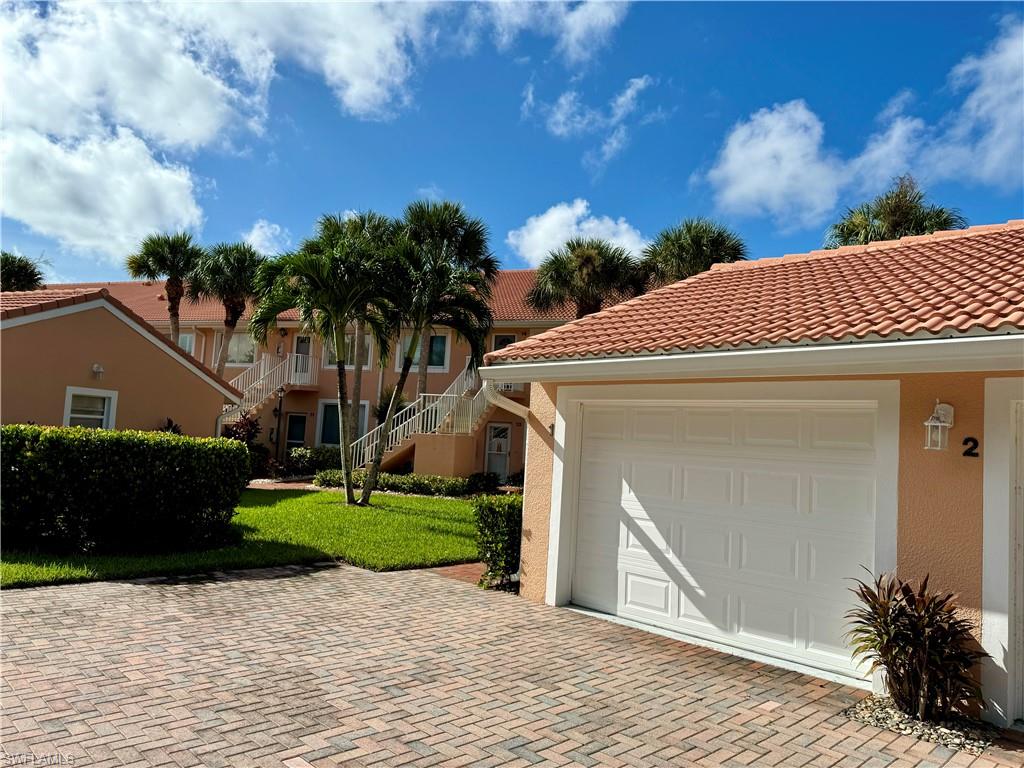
x,y
283,527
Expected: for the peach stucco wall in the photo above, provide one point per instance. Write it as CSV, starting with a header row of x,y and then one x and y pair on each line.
x,y
940,504
449,455
41,359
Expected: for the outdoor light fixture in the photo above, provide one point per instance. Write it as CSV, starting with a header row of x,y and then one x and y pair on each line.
x,y
97,371
283,332
936,435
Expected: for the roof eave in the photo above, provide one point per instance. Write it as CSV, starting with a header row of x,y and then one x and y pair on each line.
x,y
988,352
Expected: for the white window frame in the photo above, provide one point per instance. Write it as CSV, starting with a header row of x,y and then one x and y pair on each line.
x,y
494,340
219,339
430,368
367,363
195,338
320,419
109,418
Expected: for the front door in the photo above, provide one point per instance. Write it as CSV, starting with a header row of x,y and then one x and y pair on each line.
x,y
296,434
301,360
499,438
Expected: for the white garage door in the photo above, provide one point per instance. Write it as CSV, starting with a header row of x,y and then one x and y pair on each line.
x,y
738,522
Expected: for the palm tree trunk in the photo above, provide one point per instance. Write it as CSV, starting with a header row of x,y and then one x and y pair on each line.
x,y
344,415
174,290
357,375
378,453
421,376
222,353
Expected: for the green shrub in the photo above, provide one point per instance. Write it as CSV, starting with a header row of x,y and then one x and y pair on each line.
x,y
483,482
71,489
499,530
308,461
424,485
924,646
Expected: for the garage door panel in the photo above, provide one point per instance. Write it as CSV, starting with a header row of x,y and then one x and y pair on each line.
x,y
738,523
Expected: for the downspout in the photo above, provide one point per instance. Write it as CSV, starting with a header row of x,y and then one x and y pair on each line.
x,y
496,398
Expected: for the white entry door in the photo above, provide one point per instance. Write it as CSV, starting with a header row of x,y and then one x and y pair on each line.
x,y
499,438
741,523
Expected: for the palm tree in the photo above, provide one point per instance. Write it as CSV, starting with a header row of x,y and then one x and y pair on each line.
x,y
19,273
172,257
690,248
900,212
227,273
331,280
443,276
585,272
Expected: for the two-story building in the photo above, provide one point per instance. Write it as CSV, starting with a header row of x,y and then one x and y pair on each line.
x,y
291,383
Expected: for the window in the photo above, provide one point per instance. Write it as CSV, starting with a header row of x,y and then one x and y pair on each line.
x,y
331,360
438,355
502,340
187,341
328,428
92,408
241,349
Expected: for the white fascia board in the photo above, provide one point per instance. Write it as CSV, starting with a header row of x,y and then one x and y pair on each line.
x,y
968,353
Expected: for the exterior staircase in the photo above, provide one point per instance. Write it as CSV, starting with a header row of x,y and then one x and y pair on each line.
x,y
456,411
266,378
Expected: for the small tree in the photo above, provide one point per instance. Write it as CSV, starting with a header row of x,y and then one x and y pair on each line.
x,y
227,273
690,248
19,273
900,212
172,257
585,273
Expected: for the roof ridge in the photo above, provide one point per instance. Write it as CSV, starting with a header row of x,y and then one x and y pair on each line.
x,y
875,245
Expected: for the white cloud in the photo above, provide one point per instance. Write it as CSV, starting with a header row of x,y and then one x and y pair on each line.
x,y
430,191
101,195
526,107
569,117
547,231
267,237
776,163
580,30
982,140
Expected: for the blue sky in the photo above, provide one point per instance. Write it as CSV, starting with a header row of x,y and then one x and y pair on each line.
x,y
544,120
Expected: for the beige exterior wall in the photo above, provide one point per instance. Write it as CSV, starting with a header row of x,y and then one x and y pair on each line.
x,y
449,455
375,379
42,358
940,504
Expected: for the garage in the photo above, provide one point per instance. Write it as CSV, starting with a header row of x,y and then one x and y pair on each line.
x,y
739,522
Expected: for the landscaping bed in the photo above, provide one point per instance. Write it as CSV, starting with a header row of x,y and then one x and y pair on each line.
x,y
957,733
287,527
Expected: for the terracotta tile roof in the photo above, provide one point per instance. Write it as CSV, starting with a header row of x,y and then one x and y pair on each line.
x,y
508,302
19,303
146,298
948,283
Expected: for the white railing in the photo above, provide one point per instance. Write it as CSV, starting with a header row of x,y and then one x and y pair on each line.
x,y
448,412
263,379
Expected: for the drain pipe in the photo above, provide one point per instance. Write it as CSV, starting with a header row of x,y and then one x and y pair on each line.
x,y
496,398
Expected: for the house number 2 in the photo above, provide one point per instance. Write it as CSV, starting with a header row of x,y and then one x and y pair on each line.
x,y
971,447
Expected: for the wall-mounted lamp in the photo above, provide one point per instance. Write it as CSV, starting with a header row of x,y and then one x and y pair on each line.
x,y
97,371
936,435
282,332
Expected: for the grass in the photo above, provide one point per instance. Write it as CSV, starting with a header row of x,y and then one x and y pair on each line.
x,y
287,527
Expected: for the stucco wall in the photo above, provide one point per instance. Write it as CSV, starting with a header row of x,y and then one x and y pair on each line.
x,y
537,492
41,359
939,492
449,455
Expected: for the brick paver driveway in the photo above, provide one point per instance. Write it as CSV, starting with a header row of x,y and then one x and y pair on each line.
x,y
302,667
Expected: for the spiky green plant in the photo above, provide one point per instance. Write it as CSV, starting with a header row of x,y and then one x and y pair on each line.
x,y
690,248
919,639
19,273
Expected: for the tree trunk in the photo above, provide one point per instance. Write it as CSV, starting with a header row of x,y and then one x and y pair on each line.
x,y
222,354
174,290
378,453
421,376
357,377
344,415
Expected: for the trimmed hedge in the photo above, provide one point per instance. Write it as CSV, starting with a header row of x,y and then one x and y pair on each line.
x,y
499,531
309,461
424,485
77,490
